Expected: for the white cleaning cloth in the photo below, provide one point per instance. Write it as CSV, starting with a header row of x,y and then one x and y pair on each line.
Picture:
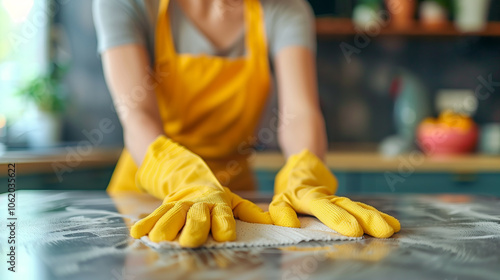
x,y
258,235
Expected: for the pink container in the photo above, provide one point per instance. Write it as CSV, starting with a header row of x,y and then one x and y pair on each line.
x,y
441,140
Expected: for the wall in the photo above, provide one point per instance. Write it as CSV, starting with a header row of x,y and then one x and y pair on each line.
x,y
354,96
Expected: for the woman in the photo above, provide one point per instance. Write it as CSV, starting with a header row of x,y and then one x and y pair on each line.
x,y
189,79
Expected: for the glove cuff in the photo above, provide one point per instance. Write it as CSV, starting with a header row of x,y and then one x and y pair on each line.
x,y
304,169
169,166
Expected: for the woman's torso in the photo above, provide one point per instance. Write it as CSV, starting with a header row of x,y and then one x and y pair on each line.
x,y
187,39
287,22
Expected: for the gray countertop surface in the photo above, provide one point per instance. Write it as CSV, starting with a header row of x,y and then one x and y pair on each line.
x,y
85,235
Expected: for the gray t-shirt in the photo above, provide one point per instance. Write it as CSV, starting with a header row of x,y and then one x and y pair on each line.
x,y
120,22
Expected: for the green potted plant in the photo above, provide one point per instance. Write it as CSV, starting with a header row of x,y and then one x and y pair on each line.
x,y
47,95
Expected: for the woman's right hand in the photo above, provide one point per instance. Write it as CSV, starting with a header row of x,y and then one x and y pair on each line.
x,y
193,199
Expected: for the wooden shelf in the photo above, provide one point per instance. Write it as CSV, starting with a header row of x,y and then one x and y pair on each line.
x,y
344,27
375,162
361,160
28,162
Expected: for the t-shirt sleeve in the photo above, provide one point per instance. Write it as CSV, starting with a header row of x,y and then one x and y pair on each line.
x,y
117,22
291,23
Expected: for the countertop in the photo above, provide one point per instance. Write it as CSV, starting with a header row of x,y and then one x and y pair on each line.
x,y
85,235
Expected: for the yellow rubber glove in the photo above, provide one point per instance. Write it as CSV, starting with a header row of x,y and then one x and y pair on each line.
x,y
193,199
305,185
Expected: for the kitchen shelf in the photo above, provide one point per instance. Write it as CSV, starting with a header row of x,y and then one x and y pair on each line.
x,y
33,162
362,159
329,26
375,162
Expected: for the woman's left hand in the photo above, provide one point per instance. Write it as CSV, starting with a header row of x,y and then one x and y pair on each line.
x,y
305,185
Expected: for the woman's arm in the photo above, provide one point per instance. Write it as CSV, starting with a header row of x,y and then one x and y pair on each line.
x,y
305,185
298,98
132,85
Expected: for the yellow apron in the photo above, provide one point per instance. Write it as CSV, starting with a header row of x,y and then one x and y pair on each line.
x,y
209,104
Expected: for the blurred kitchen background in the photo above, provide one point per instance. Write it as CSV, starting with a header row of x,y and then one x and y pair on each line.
x,y
385,68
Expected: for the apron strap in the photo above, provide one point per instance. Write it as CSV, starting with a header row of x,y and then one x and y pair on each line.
x,y
164,46
256,39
